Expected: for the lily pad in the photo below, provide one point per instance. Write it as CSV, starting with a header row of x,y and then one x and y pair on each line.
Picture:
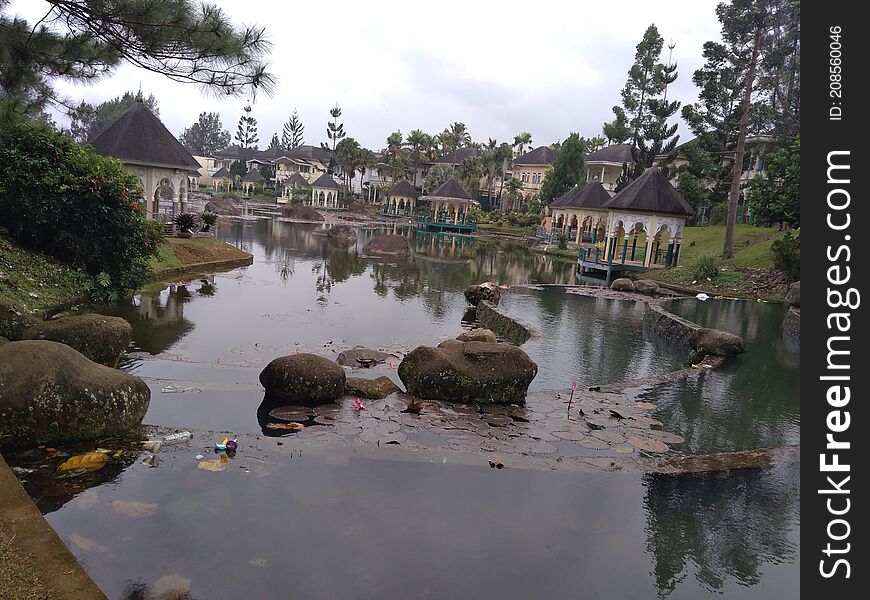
x,y
291,413
572,435
292,426
133,508
648,444
499,421
211,465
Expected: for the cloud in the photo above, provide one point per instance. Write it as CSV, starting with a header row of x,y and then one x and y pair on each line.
x,y
548,67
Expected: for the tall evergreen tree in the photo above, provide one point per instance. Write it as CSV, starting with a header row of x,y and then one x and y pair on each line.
x,y
274,142
246,134
292,136
569,169
617,131
206,136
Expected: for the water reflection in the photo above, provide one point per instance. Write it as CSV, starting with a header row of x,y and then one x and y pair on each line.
x,y
722,528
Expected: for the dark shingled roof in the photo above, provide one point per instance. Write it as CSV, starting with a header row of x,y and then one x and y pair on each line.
x,y
451,189
404,188
296,180
651,192
591,195
222,173
307,152
193,173
542,155
461,154
252,176
617,153
325,181
137,136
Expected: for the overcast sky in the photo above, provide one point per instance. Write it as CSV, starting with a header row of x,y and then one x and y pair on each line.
x,y
547,67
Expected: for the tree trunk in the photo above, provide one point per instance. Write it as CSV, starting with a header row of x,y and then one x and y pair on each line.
x,y
740,150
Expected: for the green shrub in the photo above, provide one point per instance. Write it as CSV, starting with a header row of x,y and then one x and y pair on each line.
x,y
155,232
718,213
184,221
209,218
562,238
65,200
787,255
706,266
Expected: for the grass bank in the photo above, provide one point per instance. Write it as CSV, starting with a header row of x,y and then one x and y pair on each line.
x,y
35,281
749,274
178,255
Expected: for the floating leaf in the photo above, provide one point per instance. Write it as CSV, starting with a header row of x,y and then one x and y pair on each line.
x,y
85,544
293,426
648,444
211,465
171,586
133,508
82,463
291,413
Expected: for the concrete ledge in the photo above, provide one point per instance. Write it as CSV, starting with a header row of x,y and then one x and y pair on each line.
x,y
34,539
502,324
217,265
669,326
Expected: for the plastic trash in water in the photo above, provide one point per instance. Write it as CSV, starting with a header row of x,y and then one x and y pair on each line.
x,y
152,445
177,438
198,457
702,297
222,446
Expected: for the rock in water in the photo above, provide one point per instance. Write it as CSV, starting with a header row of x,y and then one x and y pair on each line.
x,y
477,335
646,286
100,338
480,372
793,295
370,388
623,284
51,394
362,357
390,245
342,231
14,320
301,213
715,341
484,291
303,378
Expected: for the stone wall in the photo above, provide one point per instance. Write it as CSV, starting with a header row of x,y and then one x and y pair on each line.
x,y
502,324
669,326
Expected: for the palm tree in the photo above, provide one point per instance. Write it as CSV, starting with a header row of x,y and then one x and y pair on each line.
x,y
521,140
470,170
347,154
437,175
455,137
514,186
493,163
416,142
596,143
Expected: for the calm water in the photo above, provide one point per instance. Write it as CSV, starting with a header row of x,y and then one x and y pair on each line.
x,y
324,525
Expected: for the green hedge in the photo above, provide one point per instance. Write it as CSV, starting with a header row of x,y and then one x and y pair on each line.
x,y
65,200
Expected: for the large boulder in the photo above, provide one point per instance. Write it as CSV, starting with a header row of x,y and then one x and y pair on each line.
x,y
51,394
374,389
390,245
222,206
717,342
793,295
100,338
485,291
14,320
362,357
623,284
791,327
342,231
303,378
479,372
646,286
301,213
477,335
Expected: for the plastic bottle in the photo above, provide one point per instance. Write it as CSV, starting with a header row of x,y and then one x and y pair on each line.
x,y
177,438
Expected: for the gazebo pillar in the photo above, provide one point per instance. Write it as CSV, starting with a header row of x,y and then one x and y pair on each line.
x,y
579,235
650,241
312,196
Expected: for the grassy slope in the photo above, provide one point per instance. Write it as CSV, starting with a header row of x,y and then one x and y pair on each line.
x,y
34,280
177,253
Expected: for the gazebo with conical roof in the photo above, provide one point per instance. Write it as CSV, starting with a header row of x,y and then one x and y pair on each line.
x,y
579,211
289,184
324,192
250,180
450,205
641,227
222,180
401,199
139,140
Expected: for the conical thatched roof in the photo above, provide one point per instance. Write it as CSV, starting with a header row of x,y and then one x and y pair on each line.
x,y
404,188
222,173
296,180
325,181
450,190
591,195
137,136
252,176
651,192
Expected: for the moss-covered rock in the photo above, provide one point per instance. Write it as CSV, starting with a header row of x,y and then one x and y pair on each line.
x,y
370,388
14,320
480,372
100,338
717,342
302,213
303,378
477,335
623,284
793,295
488,291
646,286
362,357
791,327
222,206
342,231
52,394
389,245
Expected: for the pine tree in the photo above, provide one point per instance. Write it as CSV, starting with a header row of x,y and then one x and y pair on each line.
x,y
247,131
335,132
274,142
292,136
